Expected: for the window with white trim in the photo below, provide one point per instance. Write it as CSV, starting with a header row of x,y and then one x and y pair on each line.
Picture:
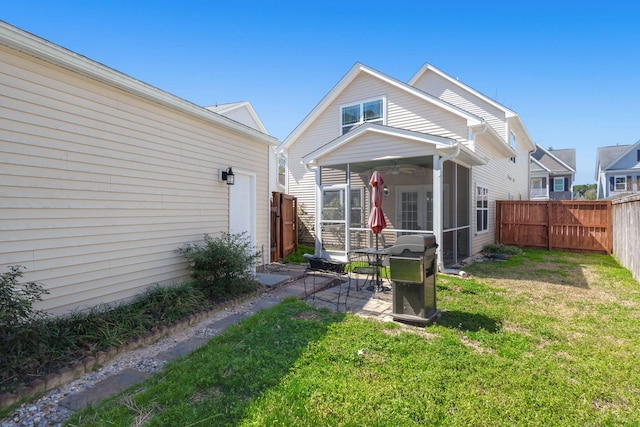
x,y
558,184
621,183
512,144
482,209
355,114
357,207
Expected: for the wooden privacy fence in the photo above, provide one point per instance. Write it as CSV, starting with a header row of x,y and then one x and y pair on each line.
x,y
626,232
284,220
581,226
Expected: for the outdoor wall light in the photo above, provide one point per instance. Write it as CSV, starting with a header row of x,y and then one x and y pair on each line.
x,y
385,190
228,176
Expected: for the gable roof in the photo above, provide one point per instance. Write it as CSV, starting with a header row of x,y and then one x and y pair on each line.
x,y
536,166
607,158
430,68
509,114
552,160
355,71
443,145
37,47
230,110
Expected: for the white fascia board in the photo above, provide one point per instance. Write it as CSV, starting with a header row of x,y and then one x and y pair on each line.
x,y
438,141
348,78
500,143
320,107
540,164
237,105
426,67
516,119
42,49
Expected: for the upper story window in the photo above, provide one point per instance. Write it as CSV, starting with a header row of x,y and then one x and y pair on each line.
x,y
370,111
621,183
512,144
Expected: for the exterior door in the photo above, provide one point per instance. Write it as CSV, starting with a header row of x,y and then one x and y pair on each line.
x,y
414,207
333,221
242,209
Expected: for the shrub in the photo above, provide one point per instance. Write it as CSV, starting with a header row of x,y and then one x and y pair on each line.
x,y
222,267
20,324
16,300
499,248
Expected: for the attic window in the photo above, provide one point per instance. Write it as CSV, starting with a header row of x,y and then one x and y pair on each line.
x,y
638,154
369,111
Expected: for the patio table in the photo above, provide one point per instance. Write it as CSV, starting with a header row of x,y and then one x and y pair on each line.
x,y
375,259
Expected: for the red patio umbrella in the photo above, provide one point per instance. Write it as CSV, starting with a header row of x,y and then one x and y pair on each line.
x,y
377,223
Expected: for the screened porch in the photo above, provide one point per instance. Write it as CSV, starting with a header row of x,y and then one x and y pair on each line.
x,y
409,204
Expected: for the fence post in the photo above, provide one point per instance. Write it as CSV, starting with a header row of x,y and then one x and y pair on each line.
x,y
549,245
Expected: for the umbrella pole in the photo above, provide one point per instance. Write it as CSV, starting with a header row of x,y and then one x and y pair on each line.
x,y
377,265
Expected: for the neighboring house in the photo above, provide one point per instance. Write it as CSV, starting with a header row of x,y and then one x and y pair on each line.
x,y
103,177
618,170
552,173
243,112
446,153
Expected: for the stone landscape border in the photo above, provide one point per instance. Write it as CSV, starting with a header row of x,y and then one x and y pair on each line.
x,y
89,363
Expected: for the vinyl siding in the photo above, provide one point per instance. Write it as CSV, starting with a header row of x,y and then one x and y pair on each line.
x,y
403,111
440,87
630,161
99,187
371,147
503,178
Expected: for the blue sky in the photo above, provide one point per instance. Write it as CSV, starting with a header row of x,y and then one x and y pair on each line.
x,y
571,70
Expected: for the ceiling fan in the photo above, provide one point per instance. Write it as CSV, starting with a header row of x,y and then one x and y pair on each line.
x,y
397,169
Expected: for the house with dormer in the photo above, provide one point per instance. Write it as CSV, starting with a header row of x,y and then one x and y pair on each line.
x,y
552,173
618,170
446,152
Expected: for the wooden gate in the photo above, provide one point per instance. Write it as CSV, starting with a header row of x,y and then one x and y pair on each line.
x,y
284,220
581,226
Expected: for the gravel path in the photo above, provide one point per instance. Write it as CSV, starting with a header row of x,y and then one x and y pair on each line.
x,y
49,409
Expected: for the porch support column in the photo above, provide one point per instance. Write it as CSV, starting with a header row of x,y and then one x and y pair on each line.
x,y
437,205
318,213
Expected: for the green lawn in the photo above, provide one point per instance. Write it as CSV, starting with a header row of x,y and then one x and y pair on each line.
x,y
544,339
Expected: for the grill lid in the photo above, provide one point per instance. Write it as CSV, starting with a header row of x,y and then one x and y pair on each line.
x,y
416,243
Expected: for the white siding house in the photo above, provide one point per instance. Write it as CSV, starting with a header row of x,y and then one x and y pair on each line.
x,y
103,177
552,173
446,153
618,170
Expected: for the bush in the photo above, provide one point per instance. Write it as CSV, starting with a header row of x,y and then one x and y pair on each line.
x,y
222,267
499,248
20,324
16,300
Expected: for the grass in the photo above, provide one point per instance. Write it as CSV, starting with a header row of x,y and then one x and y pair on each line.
x,y
545,338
